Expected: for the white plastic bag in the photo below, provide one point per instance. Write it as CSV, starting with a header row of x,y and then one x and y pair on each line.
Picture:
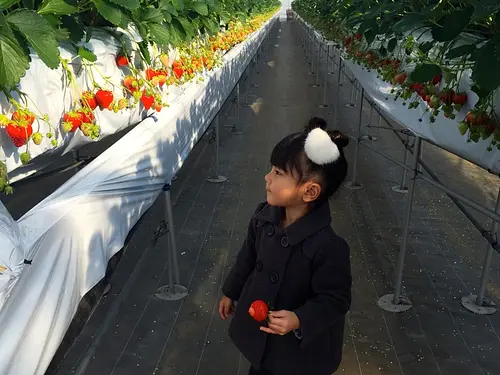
x,y
11,253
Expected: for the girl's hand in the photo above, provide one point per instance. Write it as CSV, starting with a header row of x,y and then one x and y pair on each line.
x,y
281,322
225,307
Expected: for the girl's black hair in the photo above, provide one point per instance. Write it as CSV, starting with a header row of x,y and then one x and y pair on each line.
x,y
289,156
316,122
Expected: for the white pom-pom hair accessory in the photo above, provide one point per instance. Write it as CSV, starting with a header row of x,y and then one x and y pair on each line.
x,y
320,148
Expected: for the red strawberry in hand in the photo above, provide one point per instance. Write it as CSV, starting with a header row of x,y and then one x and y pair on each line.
x,y
259,310
88,100
18,134
104,98
147,100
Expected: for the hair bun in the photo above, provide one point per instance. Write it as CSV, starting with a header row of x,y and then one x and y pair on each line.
x,y
339,138
320,148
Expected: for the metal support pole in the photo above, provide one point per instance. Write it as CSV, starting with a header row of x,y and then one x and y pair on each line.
x,y
337,96
402,188
311,53
329,59
173,291
354,184
318,63
325,80
234,130
369,137
396,302
217,178
480,304
351,97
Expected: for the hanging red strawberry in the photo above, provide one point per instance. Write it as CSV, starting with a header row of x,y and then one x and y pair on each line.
x,y
71,121
147,99
18,134
121,60
88,100
23,117
104,98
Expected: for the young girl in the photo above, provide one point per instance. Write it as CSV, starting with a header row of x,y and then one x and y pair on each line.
x,y
293,260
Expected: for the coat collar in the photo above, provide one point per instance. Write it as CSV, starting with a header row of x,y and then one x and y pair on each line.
x,y
305,227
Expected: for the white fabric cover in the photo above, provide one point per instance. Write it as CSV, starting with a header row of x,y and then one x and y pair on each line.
x,y
73,233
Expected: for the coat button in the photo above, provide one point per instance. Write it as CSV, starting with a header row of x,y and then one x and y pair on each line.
x,y
270,231
284,242
275,277
259,266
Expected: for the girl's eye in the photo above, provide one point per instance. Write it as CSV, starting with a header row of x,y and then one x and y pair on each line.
x,y
278,173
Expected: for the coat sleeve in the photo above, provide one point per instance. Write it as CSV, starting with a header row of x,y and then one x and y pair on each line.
x,y
245,263
331,288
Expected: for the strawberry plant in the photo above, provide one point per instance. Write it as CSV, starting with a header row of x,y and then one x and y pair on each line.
x,y
175,41
429,51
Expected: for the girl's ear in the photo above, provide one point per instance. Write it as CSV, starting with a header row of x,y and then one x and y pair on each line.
x,y
312,191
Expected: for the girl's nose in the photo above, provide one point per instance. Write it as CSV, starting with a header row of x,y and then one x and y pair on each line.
x,y
267,177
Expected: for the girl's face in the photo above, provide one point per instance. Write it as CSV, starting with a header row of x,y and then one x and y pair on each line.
x,y
283,189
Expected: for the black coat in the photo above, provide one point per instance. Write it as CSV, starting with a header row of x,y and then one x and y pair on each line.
x,y
303,268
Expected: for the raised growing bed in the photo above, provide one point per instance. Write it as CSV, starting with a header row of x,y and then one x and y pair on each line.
x,y
432,69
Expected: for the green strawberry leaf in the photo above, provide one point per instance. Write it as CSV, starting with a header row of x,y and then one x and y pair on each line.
x,y
127,4
464,50
200,8
177,33
187,26
451,25
59,7
178,4
152,15
170,9
424,73
425,47
481,93
485,72
409,22
13,60
6,4
39,34
76,31
159,34
109,11
86,54
392,44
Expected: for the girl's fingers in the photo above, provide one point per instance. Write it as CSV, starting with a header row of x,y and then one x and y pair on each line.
x,y
221,311
276,328
279,314
268,330
277,321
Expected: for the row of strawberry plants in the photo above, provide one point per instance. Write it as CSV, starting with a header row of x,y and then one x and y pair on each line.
x,y
147,72
444,54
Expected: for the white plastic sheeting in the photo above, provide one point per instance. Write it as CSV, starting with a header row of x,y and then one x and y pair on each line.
x,y
443,132
11,253
73,233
